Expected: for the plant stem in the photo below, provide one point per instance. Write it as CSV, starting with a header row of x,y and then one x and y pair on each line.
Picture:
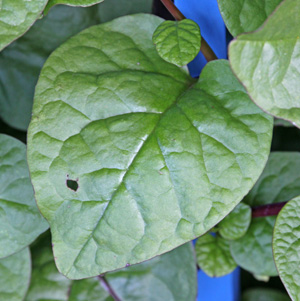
x,y
109,288
267,210
177,14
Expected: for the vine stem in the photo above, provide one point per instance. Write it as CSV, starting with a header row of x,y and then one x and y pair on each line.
x,y
177,14
109,288
267,210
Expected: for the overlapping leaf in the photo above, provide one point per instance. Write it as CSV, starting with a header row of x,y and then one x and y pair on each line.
x,y
286,246
16,17
178,42
213,255
245,15
279,182
267,62
158,160
15,273
20,219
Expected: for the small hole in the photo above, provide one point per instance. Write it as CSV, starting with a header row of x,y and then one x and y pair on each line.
x,y
73,185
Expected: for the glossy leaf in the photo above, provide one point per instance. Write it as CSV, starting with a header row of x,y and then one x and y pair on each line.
x,y
20,219
267,63
264,294
213,255
236,224
178,42
172,276
279,182
245,15
15,276
16,17
83,3
286,246
158,162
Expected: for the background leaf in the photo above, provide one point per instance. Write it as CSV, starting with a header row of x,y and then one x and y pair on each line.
x,y
236,224
213,255
267,63
245,15
16,17
286,246
153,161
20,219
15,275
264,294
177,42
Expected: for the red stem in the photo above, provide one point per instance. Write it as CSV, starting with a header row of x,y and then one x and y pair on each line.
x,y
267,210
108,288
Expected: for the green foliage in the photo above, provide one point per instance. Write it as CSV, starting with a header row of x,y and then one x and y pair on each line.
x,y
267,63
177,42
286,246
264,294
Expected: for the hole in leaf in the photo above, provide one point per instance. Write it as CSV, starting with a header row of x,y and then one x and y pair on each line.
x,y
73,185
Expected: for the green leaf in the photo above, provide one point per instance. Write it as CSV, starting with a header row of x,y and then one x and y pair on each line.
x,y
213,255
172,276
279,182
83,3
245,15
157,162
20,219
178,42
236,224
15,276
286,246
264,294
267,63
17,16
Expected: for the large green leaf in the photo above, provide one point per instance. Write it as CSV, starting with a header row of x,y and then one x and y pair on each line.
x,y
286,246
22,61
16,17
172,276
213,255
177,42
245,15
157,160
15,276
236,224
83,3
267,62
279,182
20,219
264,294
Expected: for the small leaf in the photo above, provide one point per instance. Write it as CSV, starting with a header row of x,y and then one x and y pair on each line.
x,y
236,224
15,275
178,42
154,154
17,16
20,220
264,294
267,63
83,3
245,15
172,276
213,255
286,246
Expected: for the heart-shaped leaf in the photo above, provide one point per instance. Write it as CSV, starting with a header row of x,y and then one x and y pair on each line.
x,y
16,17
20,219
83,3
245,15
155,159
236,224
267,62
213,255
279,182
178,42
15,273
286,246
